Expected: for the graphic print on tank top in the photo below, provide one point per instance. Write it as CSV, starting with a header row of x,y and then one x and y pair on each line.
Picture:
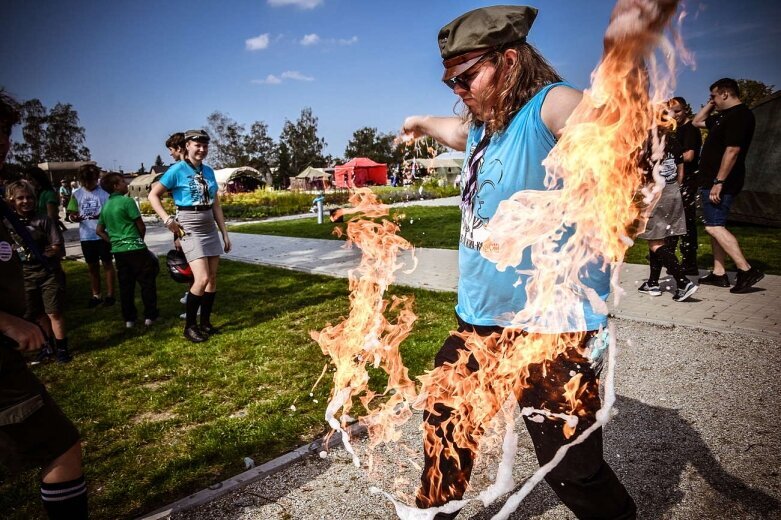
x,y
474,218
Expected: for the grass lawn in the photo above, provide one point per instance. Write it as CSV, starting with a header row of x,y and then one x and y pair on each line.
x,y
161,417
439,227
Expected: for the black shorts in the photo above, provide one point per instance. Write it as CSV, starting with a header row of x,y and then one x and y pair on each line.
x,y
96,251
33,429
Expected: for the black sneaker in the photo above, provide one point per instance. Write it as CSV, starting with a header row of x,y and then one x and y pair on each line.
x,y
746,279
94,302
195,335
714,279
44,355
209,329
109,301
650,289
63,356
683,293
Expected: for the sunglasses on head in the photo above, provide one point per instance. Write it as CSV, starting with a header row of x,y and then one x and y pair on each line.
x,y
464,80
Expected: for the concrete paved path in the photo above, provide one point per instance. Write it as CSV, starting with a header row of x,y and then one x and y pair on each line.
x,y
711,308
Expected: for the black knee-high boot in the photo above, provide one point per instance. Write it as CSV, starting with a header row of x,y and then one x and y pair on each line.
x,y
207,304
193,303
656,268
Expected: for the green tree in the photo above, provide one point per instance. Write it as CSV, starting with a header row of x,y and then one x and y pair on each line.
x,y
158,162
752,91
283,170
227,141
31,150
259,148
64,135
368,142
142,169
303,144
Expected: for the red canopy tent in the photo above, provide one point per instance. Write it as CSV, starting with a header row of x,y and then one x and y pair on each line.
x,y
360,172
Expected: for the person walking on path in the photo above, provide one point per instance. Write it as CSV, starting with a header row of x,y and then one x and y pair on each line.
x,y
84,207
722,172
34,432
690,140
198,217
666,219
517,106
120,224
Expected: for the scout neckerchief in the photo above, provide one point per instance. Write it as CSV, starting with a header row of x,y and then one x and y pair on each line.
x,y
470,186
23,234
201,181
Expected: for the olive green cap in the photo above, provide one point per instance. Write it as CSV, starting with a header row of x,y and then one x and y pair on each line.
x,y
464,40
196,135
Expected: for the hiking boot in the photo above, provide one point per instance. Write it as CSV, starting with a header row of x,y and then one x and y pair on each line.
x,y
650,289
109,301
719,280
63,356
746,279
683,293
195,335
94,302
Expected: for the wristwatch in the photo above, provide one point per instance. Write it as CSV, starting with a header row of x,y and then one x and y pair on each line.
x,y
718,181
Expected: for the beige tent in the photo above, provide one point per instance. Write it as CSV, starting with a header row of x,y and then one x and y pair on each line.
x,y
311,178
62,170
139,188
239,180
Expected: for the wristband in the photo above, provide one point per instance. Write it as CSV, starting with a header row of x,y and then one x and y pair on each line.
x,y
169,220
718,181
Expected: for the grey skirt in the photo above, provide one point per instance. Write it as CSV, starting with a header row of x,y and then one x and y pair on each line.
x,y
667,218
201,237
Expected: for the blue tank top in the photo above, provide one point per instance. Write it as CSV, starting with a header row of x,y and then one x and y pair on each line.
x,y
512,162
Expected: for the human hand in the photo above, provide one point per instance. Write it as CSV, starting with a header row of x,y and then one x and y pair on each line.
x,y
411,129
715,194
227,241
174,227
27,335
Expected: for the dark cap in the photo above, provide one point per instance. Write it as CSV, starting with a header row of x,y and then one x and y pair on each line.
x,y
196,135
463,41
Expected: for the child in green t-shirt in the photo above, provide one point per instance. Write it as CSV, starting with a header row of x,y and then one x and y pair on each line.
x,y
121,225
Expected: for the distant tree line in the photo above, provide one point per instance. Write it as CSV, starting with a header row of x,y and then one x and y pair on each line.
x,y
50,135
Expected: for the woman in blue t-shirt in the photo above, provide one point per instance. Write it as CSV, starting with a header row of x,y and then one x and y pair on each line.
x,y
198,216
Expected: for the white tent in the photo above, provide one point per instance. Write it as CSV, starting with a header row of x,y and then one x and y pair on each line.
x,y
239,180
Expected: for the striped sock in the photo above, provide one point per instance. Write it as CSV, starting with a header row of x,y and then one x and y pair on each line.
x,y
65,500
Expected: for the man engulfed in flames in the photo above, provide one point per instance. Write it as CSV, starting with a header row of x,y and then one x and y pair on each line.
x,y
526,332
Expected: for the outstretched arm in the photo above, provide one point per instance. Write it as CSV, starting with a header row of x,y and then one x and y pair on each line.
x,y
557,107
449,131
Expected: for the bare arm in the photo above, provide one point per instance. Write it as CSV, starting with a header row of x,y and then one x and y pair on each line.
x,y
680,173
449,131
154,199
699,120
727,162
688,156
557,107
220,219
101,232
140,226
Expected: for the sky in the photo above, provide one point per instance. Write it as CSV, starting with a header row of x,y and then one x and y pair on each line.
x,y
138,71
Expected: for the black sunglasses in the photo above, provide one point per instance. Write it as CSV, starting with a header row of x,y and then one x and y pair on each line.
x,y
464,80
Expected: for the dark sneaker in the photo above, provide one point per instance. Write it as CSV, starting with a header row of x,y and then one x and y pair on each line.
x,y
714,279
650,289
683,293
109,301
745,280
94,302
44,355
209,329
63,356
195,335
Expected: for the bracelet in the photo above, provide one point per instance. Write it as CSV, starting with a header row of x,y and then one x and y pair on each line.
x,y
169,220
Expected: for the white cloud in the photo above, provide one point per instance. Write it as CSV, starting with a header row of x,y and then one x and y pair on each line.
x,y
348,41
310,39
301,4
270,80
257,43
295,75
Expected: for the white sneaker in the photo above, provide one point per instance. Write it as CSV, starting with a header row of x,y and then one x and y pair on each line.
x,y
130,324
183,299
183,315
148,322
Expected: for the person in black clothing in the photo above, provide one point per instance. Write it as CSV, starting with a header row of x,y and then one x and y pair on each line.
x,y
33,429
722,171
690,141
